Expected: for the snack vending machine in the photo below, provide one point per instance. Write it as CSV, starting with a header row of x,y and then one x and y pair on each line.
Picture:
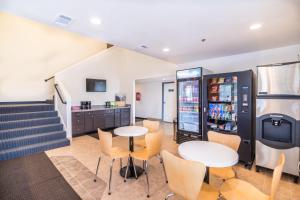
x,y
228,109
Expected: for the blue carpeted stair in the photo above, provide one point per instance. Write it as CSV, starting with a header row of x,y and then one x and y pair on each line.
x,y
27,128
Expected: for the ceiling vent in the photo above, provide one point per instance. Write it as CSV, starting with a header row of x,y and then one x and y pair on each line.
x,y
144,46
63,20
141,47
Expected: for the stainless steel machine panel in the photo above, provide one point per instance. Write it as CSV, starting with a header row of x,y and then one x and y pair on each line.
x,y
268,157
290,107
278,80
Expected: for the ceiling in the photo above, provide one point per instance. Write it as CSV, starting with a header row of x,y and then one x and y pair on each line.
x,y
179,25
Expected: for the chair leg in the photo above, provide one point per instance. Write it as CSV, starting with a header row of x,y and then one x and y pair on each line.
x,y
95,179
163,165
121,163
111,167
169,195
127,169
146,172
220,197
135,174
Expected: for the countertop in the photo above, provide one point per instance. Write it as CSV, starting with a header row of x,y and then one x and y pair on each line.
x,y
100,107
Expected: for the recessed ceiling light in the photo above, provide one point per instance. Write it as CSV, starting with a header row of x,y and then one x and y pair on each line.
x,y
255,26
95,20
166,49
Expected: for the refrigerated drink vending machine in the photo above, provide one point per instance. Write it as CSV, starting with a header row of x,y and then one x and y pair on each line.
x,y
189,115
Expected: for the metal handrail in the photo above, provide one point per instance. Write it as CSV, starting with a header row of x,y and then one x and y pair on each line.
x,y
49,78
57,90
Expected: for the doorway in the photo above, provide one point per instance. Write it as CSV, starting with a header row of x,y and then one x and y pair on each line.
x,y
168,101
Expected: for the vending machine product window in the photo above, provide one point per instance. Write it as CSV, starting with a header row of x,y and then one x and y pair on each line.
x,y
222,104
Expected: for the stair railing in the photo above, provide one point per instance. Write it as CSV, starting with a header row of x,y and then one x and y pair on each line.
x,y
49,78
60,97
64,106
57,90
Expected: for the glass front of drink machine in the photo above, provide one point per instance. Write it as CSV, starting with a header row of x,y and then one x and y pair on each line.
x,y
189,106
189,100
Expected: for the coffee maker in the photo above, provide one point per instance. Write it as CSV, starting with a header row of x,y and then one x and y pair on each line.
x,y
85,105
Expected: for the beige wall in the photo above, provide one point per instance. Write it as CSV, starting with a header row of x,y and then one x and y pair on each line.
x,y
31,52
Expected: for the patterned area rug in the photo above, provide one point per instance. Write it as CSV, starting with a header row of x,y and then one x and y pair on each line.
x,y
80,178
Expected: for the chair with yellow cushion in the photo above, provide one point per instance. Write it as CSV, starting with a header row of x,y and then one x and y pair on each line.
x,y
152,126
185,178
113,153
232,141
153,147
236,189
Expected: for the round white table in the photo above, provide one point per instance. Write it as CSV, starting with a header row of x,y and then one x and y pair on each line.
x,y
211,154
131,131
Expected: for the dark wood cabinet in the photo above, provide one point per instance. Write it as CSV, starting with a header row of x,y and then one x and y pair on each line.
x,y
78,123
109,121
99,120
117,117
88,121
125,117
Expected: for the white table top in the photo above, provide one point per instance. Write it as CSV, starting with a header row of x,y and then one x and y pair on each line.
x,y
131,131
209,153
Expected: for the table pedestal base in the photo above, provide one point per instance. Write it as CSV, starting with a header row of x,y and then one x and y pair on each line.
x,y
130,173
206,177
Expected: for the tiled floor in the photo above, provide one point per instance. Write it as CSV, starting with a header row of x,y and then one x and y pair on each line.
x,y
79,177
86,150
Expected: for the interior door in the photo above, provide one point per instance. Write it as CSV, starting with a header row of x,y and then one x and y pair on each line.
x,y
169,102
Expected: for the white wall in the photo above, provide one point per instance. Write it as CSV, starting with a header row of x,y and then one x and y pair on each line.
x,y
120,67
150,105
64,110
246,61
140,66
103,65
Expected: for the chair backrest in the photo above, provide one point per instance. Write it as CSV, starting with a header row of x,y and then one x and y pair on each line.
x,y
277,176
232,141
152,126
153,143
105,139
185,177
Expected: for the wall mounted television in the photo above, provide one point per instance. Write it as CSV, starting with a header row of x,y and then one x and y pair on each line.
x,y
95,85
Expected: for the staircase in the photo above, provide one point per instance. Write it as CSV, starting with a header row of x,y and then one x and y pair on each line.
x,y
30,127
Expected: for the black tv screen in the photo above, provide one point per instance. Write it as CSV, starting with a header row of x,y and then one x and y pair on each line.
x,y
95,85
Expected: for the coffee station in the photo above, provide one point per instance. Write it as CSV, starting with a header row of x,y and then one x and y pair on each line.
x,y
87,118
90,117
